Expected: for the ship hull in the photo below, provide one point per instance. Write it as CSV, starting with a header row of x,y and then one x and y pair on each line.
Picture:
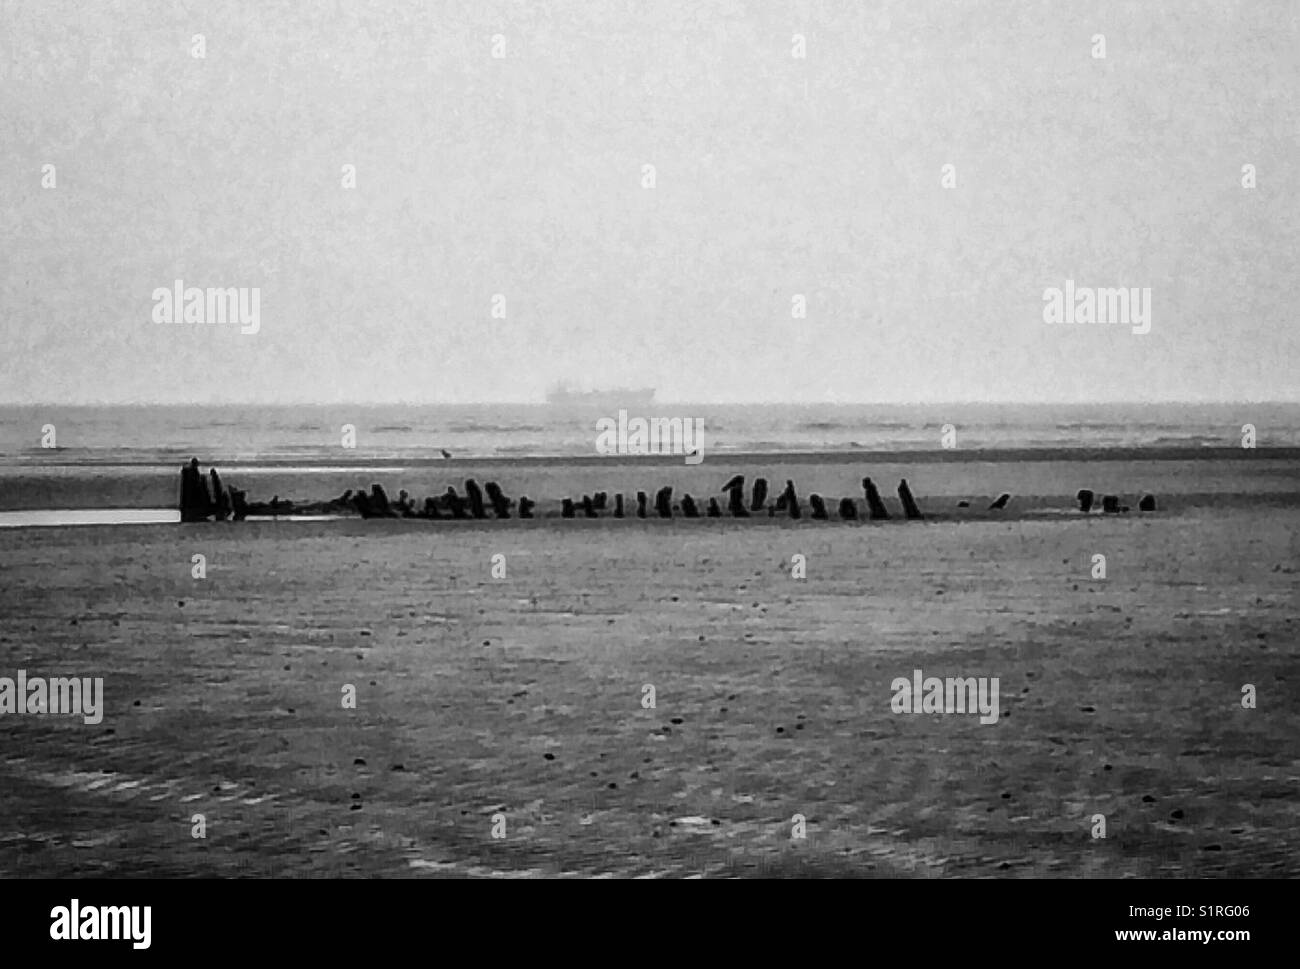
x,y
611,400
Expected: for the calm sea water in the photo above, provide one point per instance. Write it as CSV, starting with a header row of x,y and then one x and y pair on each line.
x,y
394,433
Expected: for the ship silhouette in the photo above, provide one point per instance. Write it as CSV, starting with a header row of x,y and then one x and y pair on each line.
x,y
614,398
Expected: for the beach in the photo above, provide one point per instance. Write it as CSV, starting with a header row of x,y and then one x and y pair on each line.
x,y
1046,478
505,696
648,440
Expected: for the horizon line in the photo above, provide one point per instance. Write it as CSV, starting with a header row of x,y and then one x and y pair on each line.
x,y
670,402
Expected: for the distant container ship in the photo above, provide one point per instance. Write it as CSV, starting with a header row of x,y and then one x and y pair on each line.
x,y
614,399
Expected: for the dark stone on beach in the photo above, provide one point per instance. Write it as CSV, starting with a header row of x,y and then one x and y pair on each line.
x,y
848,510
379,503
278,507
225,506
526,506
202,499
1148,503
715,510
196,503
1086,498
963,504
818,507
735,491
640,504
909,504
1000,502
220,500
500,503
688,507
455,504
760,495
405,505
475,495
664,502
875,506
736,503
566,508
588,506
791,500
618,505
361,502
1110,504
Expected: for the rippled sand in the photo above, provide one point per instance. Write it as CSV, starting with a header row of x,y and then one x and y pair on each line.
x,y
521,696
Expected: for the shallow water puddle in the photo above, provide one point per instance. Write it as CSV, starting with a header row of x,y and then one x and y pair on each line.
x,y
89,516
126,516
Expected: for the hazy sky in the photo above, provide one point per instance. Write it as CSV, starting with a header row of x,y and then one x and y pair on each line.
x,y
774,176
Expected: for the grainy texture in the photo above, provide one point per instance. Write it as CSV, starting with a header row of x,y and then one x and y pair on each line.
x,y
522,696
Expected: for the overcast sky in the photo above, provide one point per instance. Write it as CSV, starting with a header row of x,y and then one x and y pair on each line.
x,y
523,176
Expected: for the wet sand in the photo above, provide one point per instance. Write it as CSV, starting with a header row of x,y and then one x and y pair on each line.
x,y
521,696
1037,478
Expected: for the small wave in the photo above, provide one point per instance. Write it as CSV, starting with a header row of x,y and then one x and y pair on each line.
x,y
821,426
461,427
281,469
1193,440
859,425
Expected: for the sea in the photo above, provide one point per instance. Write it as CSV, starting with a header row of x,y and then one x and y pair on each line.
x,y
313,436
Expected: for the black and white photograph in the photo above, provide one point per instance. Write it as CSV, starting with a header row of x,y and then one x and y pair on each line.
x,y
724,440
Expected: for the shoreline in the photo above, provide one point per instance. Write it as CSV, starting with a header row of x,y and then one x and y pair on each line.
x,y
1035,479
389,463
